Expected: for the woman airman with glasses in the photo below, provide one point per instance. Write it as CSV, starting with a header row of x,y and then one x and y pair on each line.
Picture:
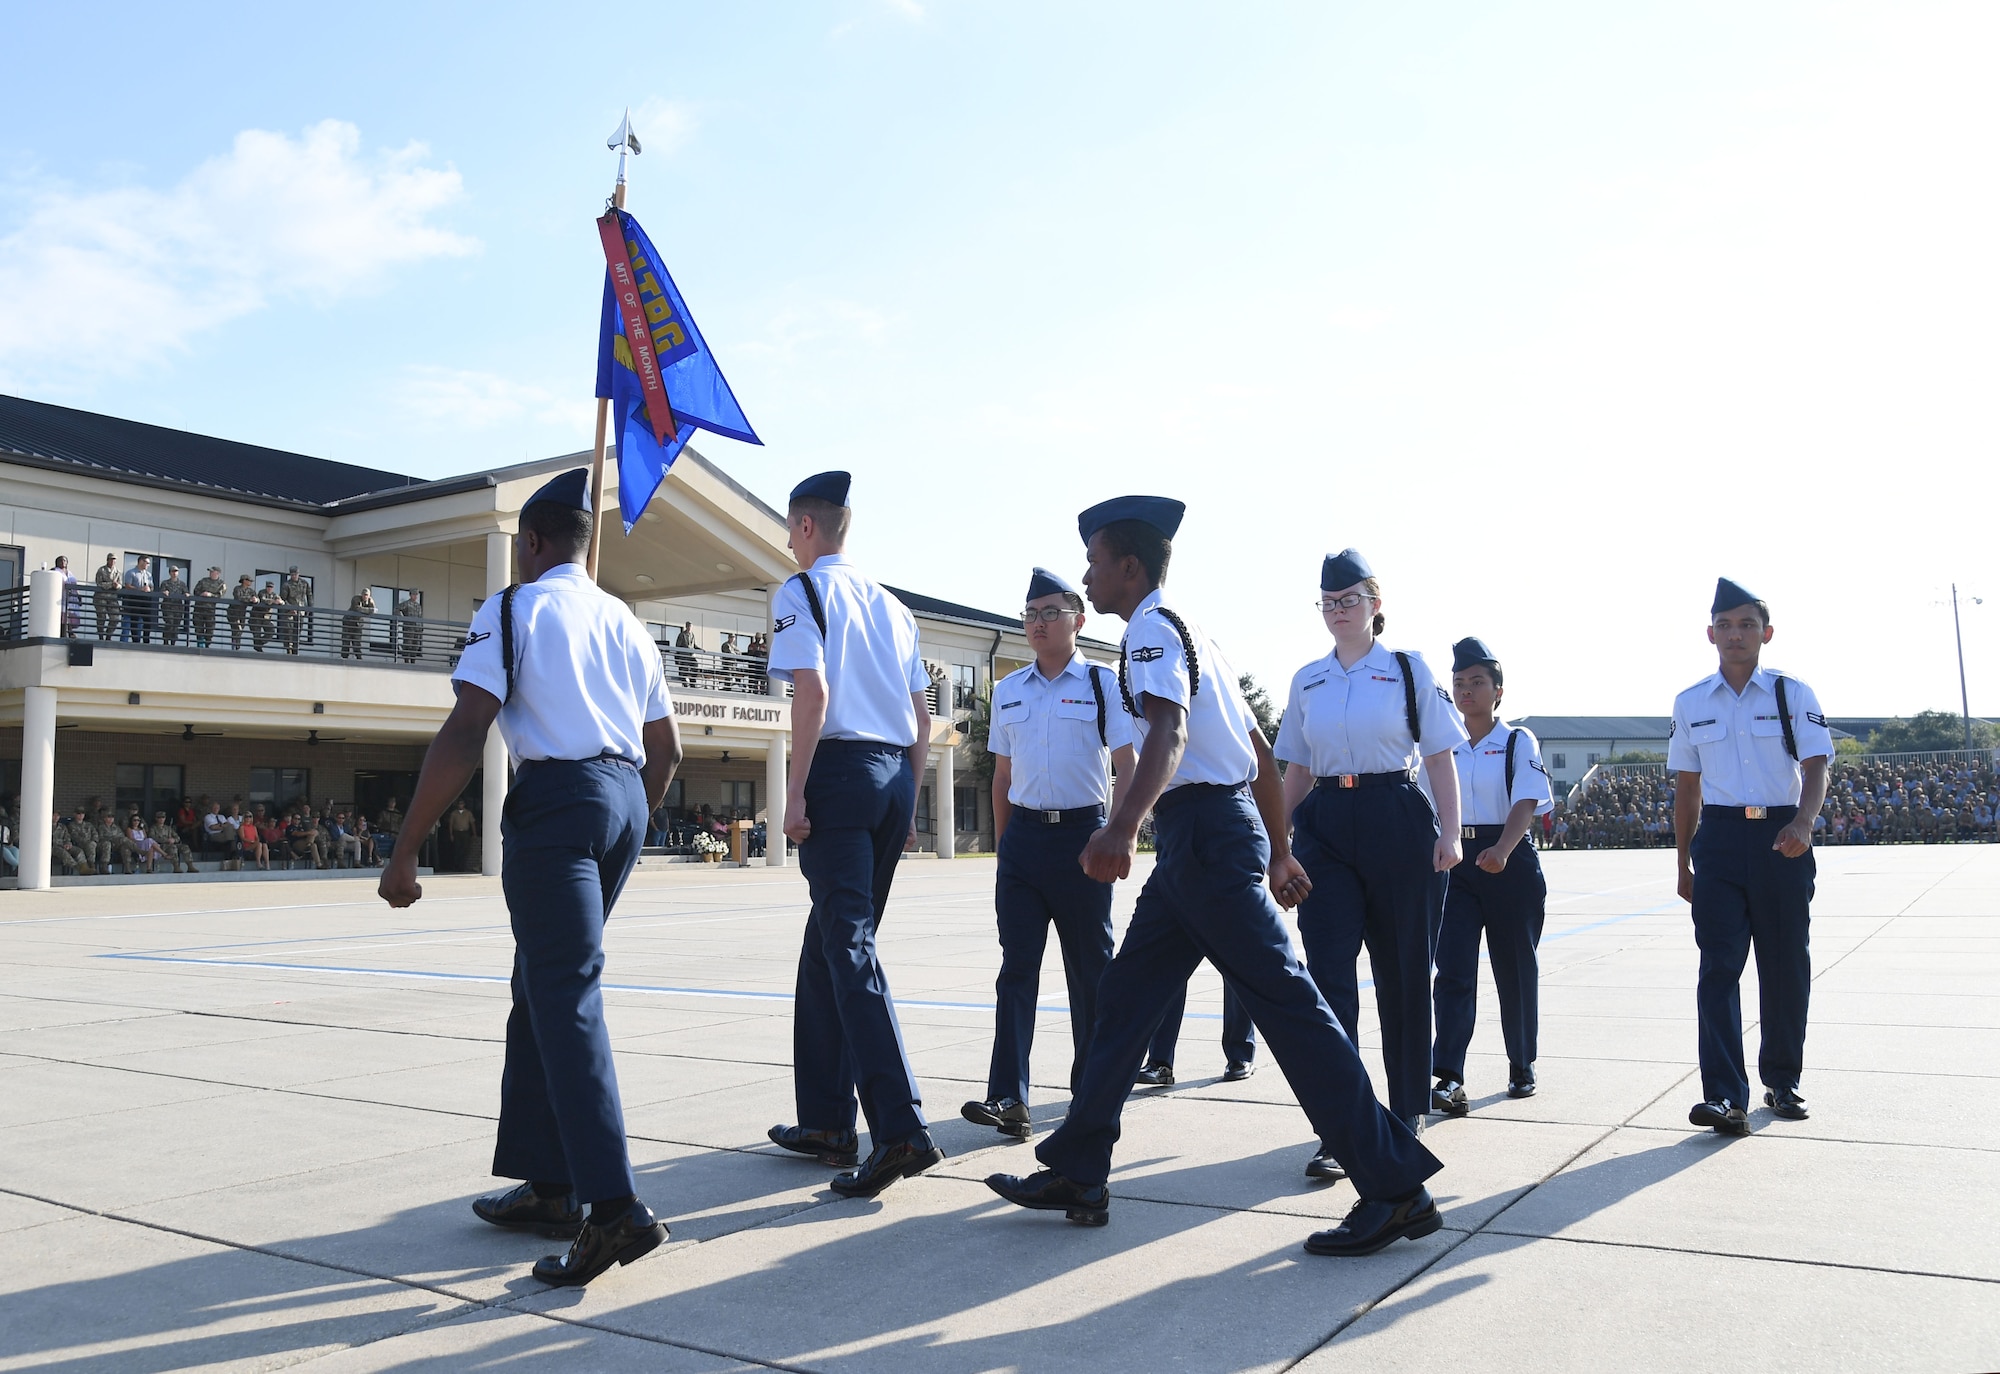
x,y
1356,723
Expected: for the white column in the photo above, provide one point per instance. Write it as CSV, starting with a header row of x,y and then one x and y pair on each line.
x,y
774,799
944,808
38,782
493,762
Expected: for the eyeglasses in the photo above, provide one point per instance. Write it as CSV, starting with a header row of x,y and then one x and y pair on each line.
x,y
1048,615
1342,603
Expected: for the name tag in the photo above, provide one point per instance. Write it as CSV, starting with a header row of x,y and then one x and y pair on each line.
x,y
1009,705
1697,724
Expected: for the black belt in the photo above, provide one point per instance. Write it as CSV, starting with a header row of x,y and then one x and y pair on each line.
x,y
1483,832
1343,781
1748,813
1189,791
606,757
1074,813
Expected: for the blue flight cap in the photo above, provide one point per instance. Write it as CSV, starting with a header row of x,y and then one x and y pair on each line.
x,y
1729,595
1046,583
571,489
830,487
1163,513
1339,571
1469,652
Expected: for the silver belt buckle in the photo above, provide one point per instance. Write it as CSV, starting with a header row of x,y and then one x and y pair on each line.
x,y
1756,813
1468,832
1052,817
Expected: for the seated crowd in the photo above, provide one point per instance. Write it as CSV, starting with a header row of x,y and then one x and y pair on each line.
x,y
1868,802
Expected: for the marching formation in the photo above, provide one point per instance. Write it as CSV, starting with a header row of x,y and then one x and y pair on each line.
x,y
1399,823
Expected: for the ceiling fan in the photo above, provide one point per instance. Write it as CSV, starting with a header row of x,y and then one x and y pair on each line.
x,y
188,734
314,737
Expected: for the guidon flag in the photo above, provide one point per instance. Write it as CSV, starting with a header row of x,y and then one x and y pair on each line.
x,y
654,367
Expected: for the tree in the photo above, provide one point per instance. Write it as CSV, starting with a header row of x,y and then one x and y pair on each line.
x,y
1928,730
1259,702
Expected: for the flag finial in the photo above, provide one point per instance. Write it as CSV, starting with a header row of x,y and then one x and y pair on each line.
x,y
622,141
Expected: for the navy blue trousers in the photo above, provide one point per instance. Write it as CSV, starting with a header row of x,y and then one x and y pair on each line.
x,y
1747,893
1041,884
1239,1034
1206,899
570,833
1508,907
1368,852
845,1039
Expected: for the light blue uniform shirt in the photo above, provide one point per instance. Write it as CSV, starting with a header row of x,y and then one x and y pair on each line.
x,y
1048,728
868,655
1218,725
1356,720
1483,798
1737,743
587,676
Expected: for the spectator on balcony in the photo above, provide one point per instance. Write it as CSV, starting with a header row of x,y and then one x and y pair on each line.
x,y
242,601
105,598
262,611
173,607
732,671
410,610
354,624
70,606
207,593
298,596
684,660
138,594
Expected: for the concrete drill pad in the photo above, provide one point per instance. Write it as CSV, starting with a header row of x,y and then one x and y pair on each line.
x,y
1504,1304
495,1338
1924,1110
939,1274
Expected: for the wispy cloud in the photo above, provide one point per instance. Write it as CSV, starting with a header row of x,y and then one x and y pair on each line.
x,y
461,398
664,126
122,275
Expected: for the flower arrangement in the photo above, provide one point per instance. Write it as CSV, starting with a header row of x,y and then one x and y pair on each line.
x,y
705,843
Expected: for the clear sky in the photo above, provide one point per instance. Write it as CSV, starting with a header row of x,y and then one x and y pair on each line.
x,y
1554,311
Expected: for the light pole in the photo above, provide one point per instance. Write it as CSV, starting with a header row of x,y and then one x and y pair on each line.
x,y
1958,636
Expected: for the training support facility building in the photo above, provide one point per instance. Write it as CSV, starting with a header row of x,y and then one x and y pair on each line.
x,y
124,701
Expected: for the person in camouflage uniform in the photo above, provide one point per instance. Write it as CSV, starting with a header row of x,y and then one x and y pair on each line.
x,y
241,601
207,592
411,611
105,598
261,614
352,626
172,850
114,845
297,613
64,853
174,607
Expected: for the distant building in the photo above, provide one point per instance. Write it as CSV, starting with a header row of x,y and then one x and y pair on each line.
x,y
1573,745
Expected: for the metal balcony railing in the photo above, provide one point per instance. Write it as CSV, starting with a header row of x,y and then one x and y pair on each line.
x,y
215,625
703,670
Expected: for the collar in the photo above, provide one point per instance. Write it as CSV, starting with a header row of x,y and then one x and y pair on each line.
x,y
1153,598
566,572
831,560
1763,677
1499,731
1076,667
1378,657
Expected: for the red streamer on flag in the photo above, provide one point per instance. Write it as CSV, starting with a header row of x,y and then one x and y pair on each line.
x,y
625,291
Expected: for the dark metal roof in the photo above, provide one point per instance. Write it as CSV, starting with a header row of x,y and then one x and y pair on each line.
x,y
920,604
45,435
1598,727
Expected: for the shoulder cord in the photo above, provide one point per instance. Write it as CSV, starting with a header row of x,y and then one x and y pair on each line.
x,y
1513,737
1187,653
812,601
507,634
1785,720
1410,698
1097,692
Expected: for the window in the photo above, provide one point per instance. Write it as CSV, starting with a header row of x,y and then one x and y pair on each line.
x,y
387,599
741,799
12,560
676,795
1558,760
10,782
924,810
278,788
964,686
280,576
966,804
148,787
1592,758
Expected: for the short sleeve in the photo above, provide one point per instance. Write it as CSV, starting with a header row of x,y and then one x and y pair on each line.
x,y
1531,775
914,671
796,641
1156,662
480,664
999,728
1290,746
1442,726
1809,728
1682,756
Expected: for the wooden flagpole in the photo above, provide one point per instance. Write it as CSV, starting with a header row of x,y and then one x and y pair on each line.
x,y
603,424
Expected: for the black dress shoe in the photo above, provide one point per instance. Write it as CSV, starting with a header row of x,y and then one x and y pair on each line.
x,y
1448,1098
1048,1191
1007,1115
887,1163
1787,1103
1236,1070
1324,1165
1719,1117
1373,1225
838,1148
596,1248
1520,1081
519,1209
1416,1125
1156,1076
